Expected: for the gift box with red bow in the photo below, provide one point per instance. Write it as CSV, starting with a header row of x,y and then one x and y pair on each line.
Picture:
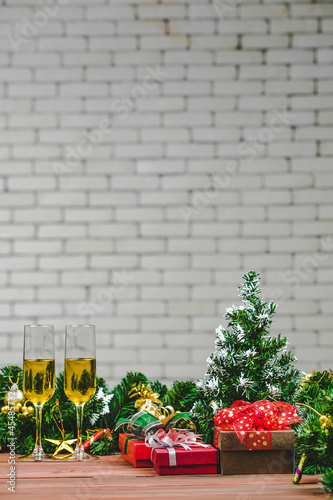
x,y
180,452
256,438
134,451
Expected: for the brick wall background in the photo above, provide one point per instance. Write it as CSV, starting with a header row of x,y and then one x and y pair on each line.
x,y
153,152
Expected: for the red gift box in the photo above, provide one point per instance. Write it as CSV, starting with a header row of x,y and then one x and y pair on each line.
x,y
197,460
134,451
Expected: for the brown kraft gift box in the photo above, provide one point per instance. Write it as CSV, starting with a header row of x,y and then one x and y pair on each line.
x,y
262,452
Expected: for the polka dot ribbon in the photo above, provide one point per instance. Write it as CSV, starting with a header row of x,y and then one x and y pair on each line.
x,y
262,415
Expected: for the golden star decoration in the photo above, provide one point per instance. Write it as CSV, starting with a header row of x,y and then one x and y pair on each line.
x,y
62,444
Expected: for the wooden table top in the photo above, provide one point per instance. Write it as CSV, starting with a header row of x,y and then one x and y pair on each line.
x,y
112,477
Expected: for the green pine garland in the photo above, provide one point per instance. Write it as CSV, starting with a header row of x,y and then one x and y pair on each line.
x,y
120,405
25,425
328,481
182,395
314,437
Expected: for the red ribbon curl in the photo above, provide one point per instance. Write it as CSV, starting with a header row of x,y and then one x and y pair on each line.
x,y
261,415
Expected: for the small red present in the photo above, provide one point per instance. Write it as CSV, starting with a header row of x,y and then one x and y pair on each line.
x,y
134,451
195,461
180,453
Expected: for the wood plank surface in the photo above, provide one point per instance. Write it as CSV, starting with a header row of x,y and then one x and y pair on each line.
x,y
112,477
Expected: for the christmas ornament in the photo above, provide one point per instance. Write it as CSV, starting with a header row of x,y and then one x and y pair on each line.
x,y
95,437
307,378
27,410
310,378
326,422
299,471
61,444
14,396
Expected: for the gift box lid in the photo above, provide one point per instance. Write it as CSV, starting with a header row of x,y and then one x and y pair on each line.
x,y
256,440
198,455
133,447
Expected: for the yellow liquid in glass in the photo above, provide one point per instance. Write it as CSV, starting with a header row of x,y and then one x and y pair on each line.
x,y
38,380
80,379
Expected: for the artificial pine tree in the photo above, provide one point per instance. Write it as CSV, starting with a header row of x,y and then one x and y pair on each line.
x,y
247,363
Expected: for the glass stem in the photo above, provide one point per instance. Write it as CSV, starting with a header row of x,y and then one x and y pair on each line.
x,y
38,447
79,418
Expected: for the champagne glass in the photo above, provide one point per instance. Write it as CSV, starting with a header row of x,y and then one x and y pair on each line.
x,y
38,377
80,375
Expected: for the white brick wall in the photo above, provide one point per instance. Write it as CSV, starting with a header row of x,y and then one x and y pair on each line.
x,y
151,153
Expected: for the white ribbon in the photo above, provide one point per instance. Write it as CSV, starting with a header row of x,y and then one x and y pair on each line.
x,y
171,440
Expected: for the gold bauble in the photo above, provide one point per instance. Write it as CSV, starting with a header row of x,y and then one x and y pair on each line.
x,y
27,410
4,409
14,396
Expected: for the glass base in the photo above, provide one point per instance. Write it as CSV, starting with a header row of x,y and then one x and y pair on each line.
x,y
80,456
37,455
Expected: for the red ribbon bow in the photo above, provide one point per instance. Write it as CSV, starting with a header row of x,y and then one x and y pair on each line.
x,y
262,415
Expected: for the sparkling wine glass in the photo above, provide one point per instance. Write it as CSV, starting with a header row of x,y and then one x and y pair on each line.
x,y
38,377
80,375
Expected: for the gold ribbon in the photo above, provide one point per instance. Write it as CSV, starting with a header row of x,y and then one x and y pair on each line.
x,y
17,380
148,401
308,377
144,395
326,422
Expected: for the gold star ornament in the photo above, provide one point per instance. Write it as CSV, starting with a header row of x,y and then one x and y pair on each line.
x,y
62,444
